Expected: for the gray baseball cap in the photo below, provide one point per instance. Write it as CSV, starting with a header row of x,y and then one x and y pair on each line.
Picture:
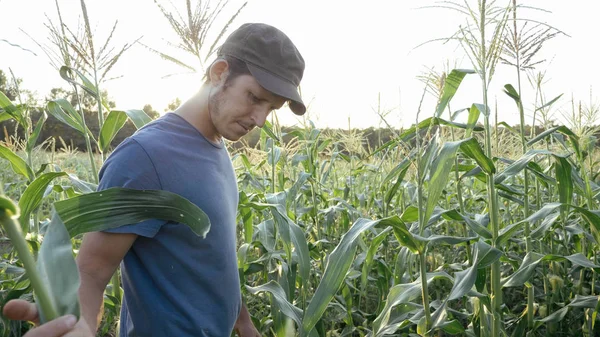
x,y
272,59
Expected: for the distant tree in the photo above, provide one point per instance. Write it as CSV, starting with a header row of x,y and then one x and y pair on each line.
x,y
6,87
173,105
12,88
149,110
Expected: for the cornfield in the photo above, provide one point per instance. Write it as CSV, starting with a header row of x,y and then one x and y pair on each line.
x,y
450,228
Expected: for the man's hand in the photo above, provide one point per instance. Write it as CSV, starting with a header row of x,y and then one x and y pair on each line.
x,y
66,326
244,326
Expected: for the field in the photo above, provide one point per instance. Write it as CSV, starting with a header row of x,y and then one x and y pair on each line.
x,y
336,202
448,228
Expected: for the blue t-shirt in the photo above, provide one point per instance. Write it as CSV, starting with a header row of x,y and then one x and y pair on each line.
x,y
176,283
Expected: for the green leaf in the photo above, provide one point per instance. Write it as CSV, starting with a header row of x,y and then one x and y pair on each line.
x,y
12,111
36,132
477,228
139,118
592,217
410,214
278,293
402,294
45,286
483,256
549,103
509,128
580,260
451,85
395,172
115,207
474,113
564,180
546,224
33,196
292,192
112,124
486,254
18,165
58,270
520,164
437,240
4,116
507,232
291,233
452,327
574,139
555,317
463,282
375,244
584,301
524,272
85,84
337,266
391,192
404,236
512,93
439,174
62,110
531,261
473,150
268,130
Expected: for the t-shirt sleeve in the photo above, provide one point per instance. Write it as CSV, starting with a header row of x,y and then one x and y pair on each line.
x,y
130,166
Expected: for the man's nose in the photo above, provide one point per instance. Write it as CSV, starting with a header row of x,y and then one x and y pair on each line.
x,y
259,116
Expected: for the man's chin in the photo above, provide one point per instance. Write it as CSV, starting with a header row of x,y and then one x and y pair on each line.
x,y
233,138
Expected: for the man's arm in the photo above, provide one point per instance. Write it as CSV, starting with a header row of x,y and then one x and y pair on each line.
x,y
244,326
99,257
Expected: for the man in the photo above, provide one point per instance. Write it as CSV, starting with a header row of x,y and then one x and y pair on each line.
x,y
175,283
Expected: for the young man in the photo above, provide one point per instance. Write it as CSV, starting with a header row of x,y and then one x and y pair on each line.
x,y
175,283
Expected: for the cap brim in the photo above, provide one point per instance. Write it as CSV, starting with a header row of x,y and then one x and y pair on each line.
x,y
279,87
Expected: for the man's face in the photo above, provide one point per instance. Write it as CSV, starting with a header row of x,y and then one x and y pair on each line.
x,y
240,105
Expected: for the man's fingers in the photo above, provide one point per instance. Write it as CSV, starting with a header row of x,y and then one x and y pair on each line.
x,y
21,310
54,328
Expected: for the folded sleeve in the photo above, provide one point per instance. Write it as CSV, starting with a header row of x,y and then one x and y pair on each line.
x,y
130,166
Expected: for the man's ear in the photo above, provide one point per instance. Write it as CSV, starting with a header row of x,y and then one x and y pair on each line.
x,y
219,71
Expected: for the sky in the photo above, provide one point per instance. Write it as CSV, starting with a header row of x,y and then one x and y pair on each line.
x,y
360,55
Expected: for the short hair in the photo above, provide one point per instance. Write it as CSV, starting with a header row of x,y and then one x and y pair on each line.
x,y
236,67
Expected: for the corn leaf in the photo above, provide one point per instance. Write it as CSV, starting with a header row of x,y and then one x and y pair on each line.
x,y
337,266
555,317
584,301
532,260
112,124
62,110
280,297
33,196
439,174
521,163
58,270
15,112
451,85
116,207
36,132
18,165
474,113
402,294
85,84
473,150
138,117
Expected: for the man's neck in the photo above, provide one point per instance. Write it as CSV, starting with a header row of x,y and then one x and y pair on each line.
x,y
195,111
